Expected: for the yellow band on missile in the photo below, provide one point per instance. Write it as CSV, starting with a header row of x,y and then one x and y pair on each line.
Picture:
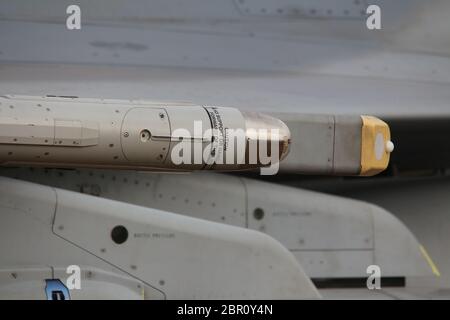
x,y
376,146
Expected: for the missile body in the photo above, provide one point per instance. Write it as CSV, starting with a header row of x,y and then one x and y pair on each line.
x,y
122,134
69,132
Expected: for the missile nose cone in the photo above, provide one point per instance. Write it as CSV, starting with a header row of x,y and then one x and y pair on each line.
x,y
260,127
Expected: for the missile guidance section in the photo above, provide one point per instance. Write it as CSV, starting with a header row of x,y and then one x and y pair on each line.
x,y
342,145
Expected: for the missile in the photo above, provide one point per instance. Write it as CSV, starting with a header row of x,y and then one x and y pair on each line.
x,y
70,132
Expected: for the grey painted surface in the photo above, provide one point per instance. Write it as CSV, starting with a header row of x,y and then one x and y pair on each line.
x,y
174,256
255,91
422,204
230,59
332,237
323,144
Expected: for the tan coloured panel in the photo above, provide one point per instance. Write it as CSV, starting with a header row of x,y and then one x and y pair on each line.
x,y
145,135
68,132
